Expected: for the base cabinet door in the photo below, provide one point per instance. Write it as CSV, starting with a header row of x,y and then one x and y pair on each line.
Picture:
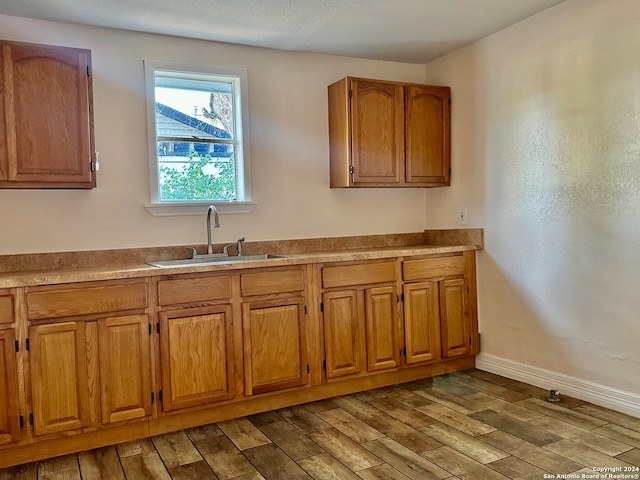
x,y
59,388
455,319
381,320
197,366
421,322
9,408
275,350
344,334
125,369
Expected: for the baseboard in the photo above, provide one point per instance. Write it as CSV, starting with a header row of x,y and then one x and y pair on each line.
x,y
619,400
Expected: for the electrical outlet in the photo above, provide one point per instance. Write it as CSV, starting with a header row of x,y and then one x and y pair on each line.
x,y
462,216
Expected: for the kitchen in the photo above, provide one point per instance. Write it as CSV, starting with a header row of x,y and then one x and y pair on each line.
x,y
544,145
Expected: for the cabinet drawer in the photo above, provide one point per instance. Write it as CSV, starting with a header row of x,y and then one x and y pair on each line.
x,y
433,267
6,308
275,281
194,289
358,274
83,300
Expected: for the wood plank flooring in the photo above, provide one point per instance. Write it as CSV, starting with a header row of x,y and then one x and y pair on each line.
x,y
466,425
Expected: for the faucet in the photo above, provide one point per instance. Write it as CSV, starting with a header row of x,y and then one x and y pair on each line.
x,y
239,246
216,223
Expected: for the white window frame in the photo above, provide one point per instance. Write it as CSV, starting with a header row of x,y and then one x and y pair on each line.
x,y
243,204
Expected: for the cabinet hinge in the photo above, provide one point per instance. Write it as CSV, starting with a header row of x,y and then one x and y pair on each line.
x,y
21,421
468,291
88,71
402,297
17,346
322,306
351,170
153,397
449,101
27,345
150,329
92,166
308,369
449,170
350,93
31,418
160,396
324,364
158,329
305,309
404,351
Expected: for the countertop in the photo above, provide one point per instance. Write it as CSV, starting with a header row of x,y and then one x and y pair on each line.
x,y
343,249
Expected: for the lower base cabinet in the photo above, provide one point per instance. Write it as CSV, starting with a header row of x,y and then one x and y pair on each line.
x,y
197,356
9,406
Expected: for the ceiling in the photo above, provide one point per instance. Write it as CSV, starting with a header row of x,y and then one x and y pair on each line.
x,y
413,31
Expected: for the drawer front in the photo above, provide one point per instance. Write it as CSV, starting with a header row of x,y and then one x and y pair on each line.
x,y
433,267
6,308
358,274
195,289
83,300
275,281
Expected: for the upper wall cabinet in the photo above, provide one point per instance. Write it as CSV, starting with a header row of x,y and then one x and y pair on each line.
x,y
46,117
388,134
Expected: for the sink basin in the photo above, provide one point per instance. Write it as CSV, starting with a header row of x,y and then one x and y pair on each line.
x,y
210,260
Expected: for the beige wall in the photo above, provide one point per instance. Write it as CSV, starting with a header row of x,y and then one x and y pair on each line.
x,y
289,151
546,157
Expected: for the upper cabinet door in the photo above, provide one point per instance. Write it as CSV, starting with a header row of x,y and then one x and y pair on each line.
x,y
377,132
46,113
427,134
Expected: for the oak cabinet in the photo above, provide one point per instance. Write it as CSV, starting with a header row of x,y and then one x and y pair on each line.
x,y
46,117
437,309
388,134
89,372
9,406
361,323
197,357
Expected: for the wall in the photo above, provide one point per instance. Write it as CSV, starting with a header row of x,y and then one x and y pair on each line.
x,y
289,151
546,157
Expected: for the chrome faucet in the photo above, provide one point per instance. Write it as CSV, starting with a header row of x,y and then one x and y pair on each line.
x,y
216,224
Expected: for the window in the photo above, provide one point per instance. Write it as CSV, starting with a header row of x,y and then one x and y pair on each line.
x,y
198,138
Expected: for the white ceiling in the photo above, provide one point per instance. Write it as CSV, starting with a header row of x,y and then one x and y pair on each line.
x,y
414,31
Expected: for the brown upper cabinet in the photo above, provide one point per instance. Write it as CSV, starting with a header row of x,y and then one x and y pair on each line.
x,y
388,134
46,117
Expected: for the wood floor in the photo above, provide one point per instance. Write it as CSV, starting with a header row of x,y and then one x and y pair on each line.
x,y
466,425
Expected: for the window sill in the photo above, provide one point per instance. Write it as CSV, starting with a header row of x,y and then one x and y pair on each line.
x,y
173,209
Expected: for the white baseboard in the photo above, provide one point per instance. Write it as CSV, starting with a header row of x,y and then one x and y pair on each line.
x,y
619,400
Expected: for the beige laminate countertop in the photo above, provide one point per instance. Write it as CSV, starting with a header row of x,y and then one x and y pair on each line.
x,y
64,274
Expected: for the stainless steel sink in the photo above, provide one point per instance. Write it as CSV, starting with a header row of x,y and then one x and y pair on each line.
x,y
212,259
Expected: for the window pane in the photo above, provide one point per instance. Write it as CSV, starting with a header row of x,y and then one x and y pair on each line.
x,y
196,171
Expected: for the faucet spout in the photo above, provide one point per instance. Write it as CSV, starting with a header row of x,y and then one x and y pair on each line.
x,y
212,208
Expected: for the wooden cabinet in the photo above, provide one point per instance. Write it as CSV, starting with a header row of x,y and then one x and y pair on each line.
x,y
89,355
274,330
197,357
361,323
46,117
437,309
388,134
9,406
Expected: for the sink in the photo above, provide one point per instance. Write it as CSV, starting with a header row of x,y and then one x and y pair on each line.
x,y
212,259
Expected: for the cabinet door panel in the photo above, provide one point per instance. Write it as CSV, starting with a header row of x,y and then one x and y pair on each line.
x,y
378,132
196,356
427,134
274,345
9,410
383,348
455,323
47,97
343,334
125,370
421,322
58,377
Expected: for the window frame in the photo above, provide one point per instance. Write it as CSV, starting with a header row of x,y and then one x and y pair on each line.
x,y
243,204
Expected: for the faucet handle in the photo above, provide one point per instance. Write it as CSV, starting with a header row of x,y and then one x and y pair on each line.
x,y
194,252
239,245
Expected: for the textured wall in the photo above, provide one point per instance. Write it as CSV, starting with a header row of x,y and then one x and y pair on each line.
x,y
546,157
289,151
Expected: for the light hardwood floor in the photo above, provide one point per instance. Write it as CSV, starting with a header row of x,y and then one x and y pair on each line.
x,y
467,425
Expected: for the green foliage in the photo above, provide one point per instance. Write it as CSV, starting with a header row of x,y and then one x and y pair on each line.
x,y
192,183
